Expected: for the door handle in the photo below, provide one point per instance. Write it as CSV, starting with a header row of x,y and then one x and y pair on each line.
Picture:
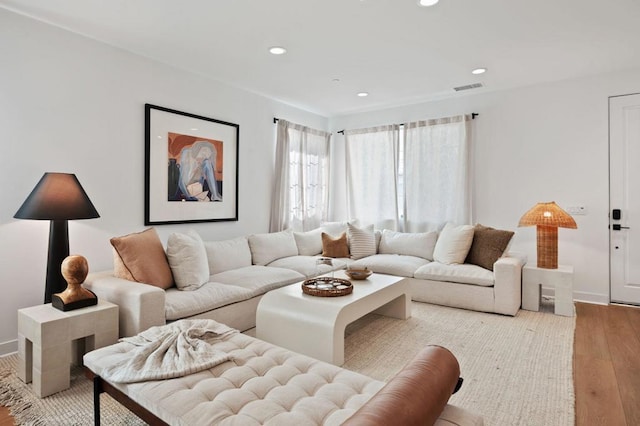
x,y
618,227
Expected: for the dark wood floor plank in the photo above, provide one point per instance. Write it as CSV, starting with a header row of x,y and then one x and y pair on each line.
x,y
624,346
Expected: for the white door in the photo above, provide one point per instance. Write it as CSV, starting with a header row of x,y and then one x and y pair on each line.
x,y
624,198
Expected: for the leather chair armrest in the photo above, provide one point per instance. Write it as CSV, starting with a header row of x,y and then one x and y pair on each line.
x,y
416,395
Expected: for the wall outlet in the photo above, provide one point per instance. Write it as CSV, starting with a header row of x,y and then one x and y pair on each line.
x,y
577,210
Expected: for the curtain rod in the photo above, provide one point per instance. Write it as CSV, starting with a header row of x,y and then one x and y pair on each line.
x,y
473,117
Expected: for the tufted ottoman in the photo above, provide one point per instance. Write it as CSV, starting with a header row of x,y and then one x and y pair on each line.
x,y
266,385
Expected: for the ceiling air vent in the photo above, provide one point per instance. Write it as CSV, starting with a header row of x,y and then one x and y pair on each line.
x,y
468,87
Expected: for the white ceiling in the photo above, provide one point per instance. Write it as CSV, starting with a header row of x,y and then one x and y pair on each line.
x,y
398,52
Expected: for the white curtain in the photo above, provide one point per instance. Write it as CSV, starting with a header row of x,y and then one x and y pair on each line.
x,y
436,173
301,193
371,166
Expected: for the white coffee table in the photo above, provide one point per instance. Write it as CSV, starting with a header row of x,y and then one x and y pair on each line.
x,y
315,326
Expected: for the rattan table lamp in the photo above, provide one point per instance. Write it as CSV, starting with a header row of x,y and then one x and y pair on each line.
x,y
547,217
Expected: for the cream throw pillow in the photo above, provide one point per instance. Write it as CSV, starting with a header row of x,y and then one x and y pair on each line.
x,y
309,243
362,241
188,260
453,244
265,248
416,244
226,255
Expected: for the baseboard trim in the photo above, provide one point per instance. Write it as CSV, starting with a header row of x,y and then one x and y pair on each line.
x,y
9,347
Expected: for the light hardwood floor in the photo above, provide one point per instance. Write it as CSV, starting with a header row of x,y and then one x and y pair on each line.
x,y
606,366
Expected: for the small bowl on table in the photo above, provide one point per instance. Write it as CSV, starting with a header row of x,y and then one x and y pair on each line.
x,y
358,274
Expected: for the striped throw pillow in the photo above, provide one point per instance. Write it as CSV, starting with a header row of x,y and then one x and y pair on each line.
x,y
362,241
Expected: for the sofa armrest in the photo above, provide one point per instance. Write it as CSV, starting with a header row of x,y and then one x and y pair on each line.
x,y
140,305
416,395
508,284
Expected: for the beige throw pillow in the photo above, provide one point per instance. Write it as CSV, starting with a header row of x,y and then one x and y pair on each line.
x,y
335,247
488,246
408,243
143,259
453,244
188,260
227,255
265,248
309,243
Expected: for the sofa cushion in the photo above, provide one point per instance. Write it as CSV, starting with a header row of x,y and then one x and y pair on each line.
x,y
335,247
461,273
265,248
411,244
183,304
488,246
188,260
392,264
453,244
307,265
143,259
227,254
258,279
309,243
362,241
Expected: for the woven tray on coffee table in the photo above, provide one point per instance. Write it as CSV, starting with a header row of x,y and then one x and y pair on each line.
x,y
327,287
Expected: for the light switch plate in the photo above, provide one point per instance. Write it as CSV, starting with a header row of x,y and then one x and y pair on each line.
x,y
577,210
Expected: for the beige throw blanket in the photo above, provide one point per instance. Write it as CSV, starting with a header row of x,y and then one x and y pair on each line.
x,y
173,350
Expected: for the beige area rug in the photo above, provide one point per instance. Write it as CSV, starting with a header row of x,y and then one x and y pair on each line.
x,y
517,370
73,407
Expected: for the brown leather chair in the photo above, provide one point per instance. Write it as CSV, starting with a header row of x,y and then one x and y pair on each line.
x,y
417,395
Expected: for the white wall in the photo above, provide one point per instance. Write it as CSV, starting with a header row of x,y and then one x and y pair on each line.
x,y
542,143
70,104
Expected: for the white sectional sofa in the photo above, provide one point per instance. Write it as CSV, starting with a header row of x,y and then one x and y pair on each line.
x,y
224,280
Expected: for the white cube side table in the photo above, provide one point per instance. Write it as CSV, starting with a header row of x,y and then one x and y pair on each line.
x,y
46,336
562,279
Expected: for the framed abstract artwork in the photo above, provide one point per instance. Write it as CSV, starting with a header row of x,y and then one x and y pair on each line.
x,y
191,168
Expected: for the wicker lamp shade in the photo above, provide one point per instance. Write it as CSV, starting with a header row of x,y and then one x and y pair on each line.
x,y
547,217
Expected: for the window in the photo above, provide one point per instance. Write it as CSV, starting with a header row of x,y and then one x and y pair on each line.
x,y
411,177
302,178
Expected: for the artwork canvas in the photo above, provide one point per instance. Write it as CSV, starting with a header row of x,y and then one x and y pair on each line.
x,y
191,167
195,168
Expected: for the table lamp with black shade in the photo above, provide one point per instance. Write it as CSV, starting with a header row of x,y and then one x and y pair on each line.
x,y
58,197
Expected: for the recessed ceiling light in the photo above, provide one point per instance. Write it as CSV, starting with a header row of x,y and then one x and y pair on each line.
x,y
363,94
277,50
479,71
427,2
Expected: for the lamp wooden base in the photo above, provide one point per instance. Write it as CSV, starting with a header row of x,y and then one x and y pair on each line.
x,y
58,301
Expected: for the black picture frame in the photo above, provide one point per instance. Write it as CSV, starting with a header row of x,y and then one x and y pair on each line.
x,y
191,168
